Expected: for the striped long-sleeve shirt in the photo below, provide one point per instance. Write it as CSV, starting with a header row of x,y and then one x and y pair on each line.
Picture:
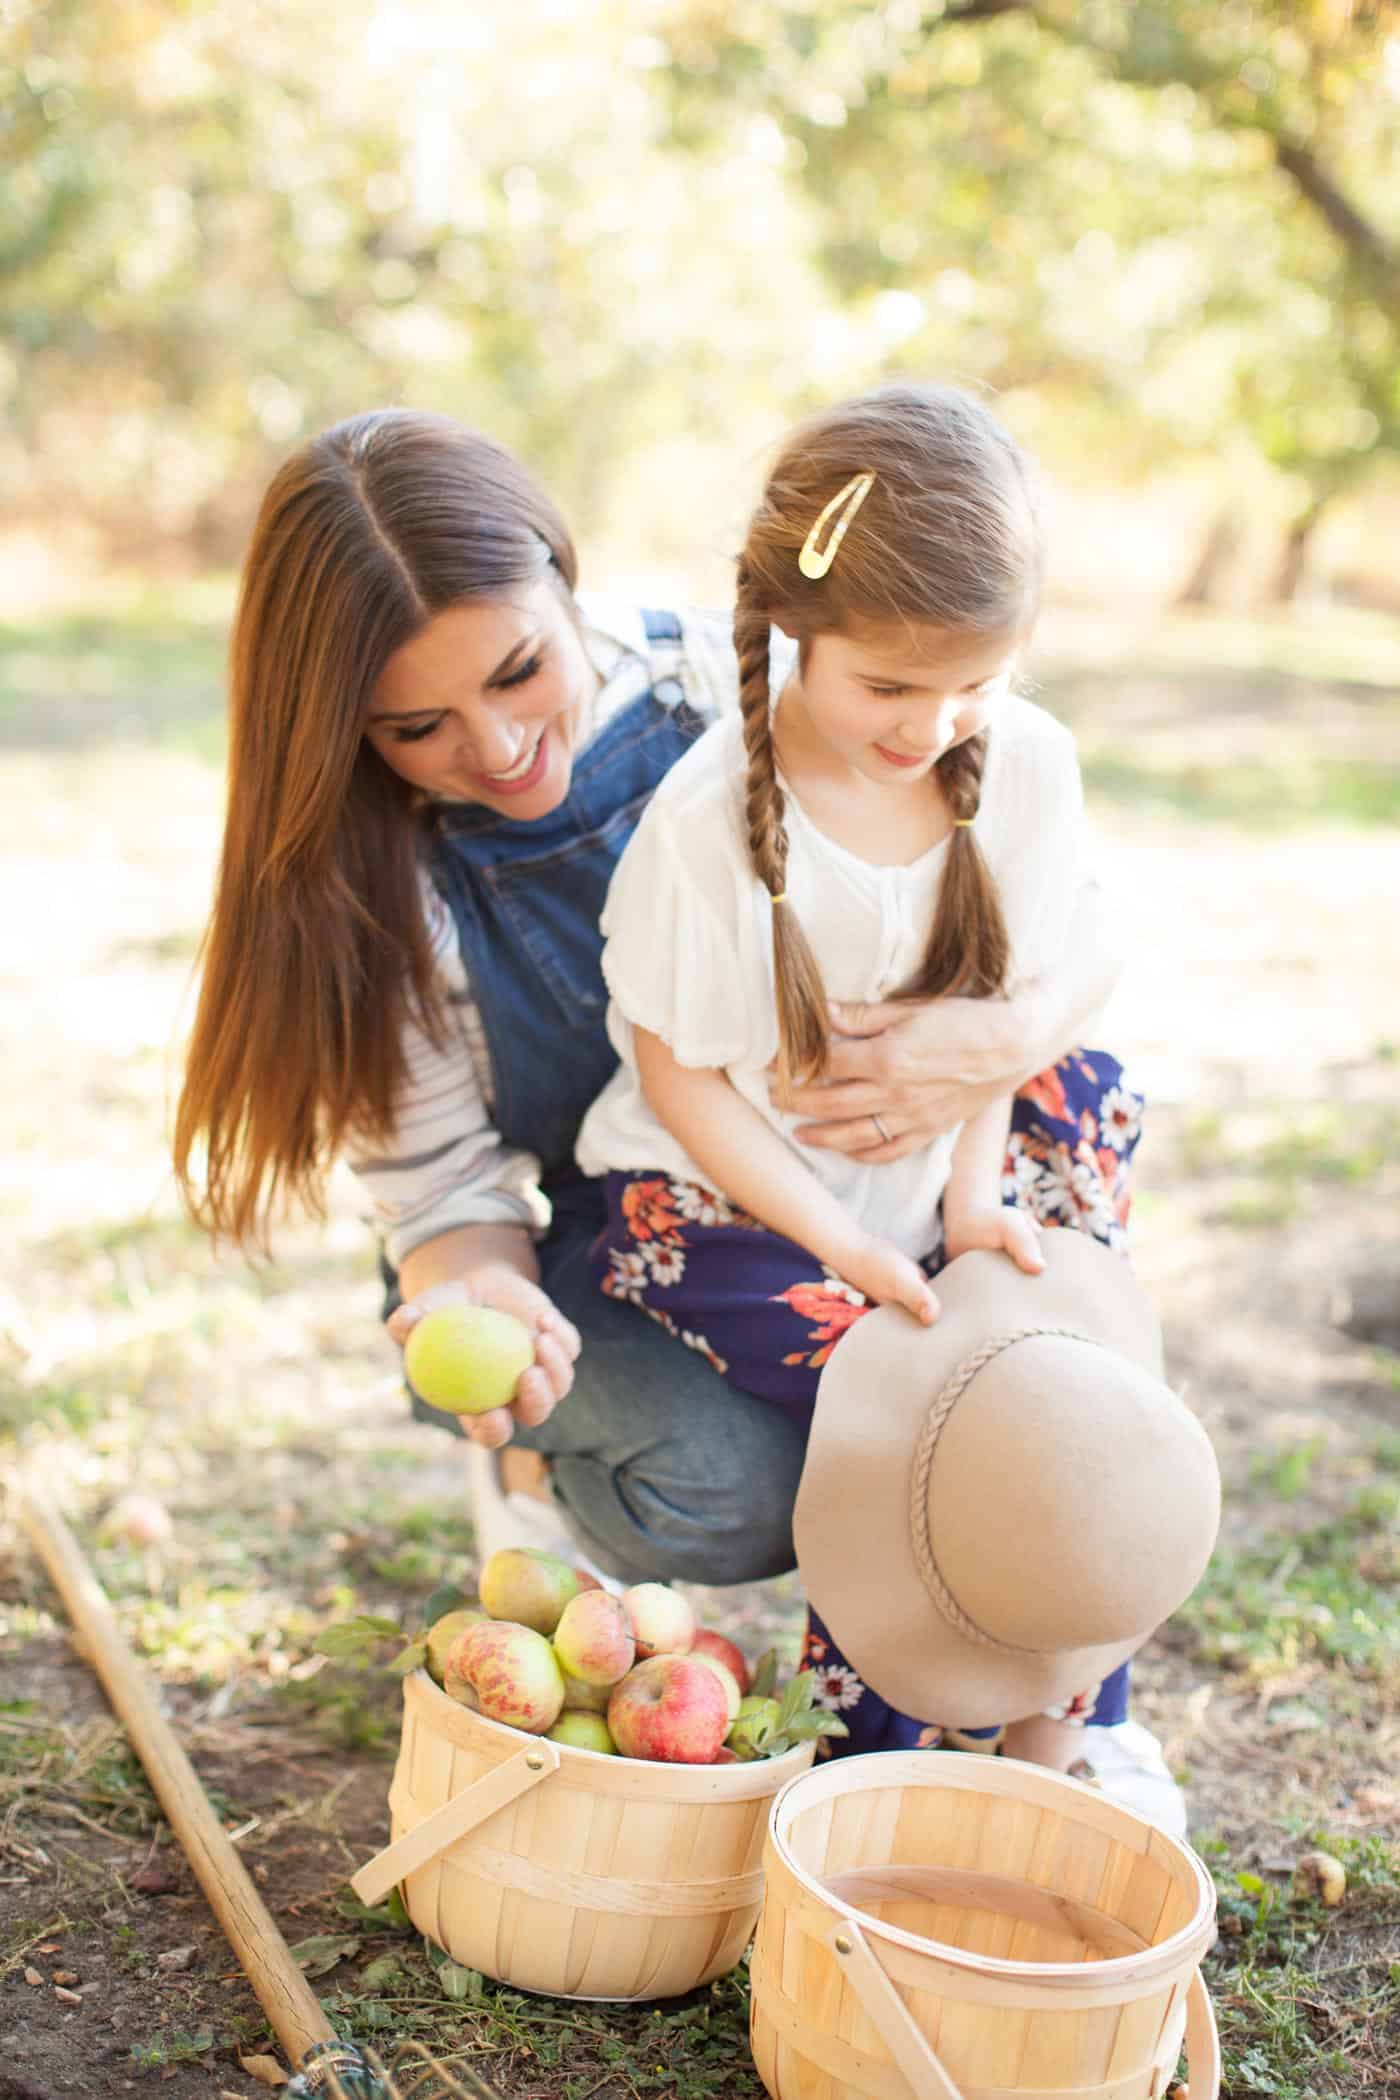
x,y
447,1164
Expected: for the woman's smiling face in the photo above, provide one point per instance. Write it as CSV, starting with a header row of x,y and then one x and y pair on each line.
x,y
486,702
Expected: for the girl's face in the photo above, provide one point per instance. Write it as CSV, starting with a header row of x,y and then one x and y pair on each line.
x,y
887,703
486,702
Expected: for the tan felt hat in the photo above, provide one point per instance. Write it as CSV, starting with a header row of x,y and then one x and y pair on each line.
x,y
997,1510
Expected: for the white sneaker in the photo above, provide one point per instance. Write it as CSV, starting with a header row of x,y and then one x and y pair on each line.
x,y
499,1519
1129,1767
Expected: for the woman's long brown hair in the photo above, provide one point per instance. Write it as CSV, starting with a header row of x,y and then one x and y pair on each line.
x,y
316,954
947,537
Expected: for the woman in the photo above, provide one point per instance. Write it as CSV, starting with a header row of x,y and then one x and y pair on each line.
x,y
437,757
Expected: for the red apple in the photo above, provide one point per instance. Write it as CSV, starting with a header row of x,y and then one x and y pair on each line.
x,y
707,1642
593,1640
662,1622
726,1676
513,1672
671,1710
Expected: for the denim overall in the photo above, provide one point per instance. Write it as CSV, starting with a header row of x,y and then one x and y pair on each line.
x,y
666,1471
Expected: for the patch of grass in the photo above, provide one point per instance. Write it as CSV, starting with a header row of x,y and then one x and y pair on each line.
x,y
140,670
60,1403
1308,1999
1328,1593
1255,797
163,2050
1277,1161
691,2048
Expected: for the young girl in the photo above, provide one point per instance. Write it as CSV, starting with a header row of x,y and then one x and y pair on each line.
x,y
887,818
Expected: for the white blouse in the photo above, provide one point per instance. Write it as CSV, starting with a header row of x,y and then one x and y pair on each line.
x,y
689,943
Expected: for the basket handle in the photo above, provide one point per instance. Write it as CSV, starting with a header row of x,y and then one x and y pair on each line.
x,y
505,1783
926,2076
1202,2042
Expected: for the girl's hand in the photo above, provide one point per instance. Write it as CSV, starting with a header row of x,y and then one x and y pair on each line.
x,y
1002,1231
539,1390
888,1276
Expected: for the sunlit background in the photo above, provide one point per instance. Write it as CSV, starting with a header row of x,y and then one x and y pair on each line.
x,y
634,242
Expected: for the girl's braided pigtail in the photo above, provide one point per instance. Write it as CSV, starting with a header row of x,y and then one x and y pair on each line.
x,y
969,950
803,1032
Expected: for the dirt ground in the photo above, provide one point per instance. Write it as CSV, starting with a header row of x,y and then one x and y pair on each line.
x,y
1260,1013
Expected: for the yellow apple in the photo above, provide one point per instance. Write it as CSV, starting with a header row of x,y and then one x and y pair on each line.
x,y
467,1358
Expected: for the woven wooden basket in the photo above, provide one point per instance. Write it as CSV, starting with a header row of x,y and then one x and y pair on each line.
x,y
559,1870
973,1928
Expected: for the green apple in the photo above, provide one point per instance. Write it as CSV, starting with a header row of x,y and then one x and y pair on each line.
x,y
524,1583
442,1633
585,1698
467,1358
583,1731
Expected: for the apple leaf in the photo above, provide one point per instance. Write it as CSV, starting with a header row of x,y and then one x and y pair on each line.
x,y
410,1658
805,1728
765,1675
351,1639
323,1952
444,1599
382,1974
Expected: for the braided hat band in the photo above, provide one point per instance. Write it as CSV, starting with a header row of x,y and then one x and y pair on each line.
x,y
942,1598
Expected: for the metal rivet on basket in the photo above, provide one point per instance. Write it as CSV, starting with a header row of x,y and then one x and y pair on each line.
x,y
842,1944
534,1762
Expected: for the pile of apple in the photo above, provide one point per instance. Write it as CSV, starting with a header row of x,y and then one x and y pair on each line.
x,y
550,1651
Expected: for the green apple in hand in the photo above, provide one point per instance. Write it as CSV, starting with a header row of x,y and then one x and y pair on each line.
x,y
467,1358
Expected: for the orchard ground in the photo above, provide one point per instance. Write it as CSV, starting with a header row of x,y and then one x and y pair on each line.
x,y
1247,780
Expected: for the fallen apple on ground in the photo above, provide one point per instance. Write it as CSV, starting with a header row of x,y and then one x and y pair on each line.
x,y
467,1359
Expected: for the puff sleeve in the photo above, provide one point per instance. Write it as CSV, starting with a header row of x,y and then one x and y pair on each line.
x,y
681,945
1044,854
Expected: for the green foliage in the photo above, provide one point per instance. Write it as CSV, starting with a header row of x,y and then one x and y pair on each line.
x,y
1155,215
1325,1593
1159,224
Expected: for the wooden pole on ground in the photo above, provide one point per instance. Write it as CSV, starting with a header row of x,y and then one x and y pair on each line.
x,y
286,1997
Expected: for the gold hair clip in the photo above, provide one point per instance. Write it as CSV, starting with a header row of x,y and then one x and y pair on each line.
x,y
814,561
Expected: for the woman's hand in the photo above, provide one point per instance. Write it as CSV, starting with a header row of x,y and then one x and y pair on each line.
x,y
539,1390
920,1067
999,1229
887,1276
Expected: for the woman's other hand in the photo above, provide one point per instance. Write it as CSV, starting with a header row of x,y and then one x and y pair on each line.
x,y
539,1390
1001,1230
920,1067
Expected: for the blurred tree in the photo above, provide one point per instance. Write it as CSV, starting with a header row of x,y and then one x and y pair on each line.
x,y
230,221
1173,220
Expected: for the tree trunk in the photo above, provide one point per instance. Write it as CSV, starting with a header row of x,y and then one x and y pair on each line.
x,y
1217,551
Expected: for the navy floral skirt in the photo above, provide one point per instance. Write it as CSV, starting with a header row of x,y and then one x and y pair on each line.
x,y
767,1314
